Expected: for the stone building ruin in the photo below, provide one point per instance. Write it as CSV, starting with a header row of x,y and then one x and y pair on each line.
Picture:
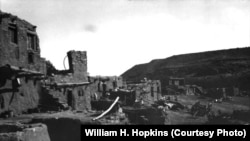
x,y
31,84
69,87
24,83
21,66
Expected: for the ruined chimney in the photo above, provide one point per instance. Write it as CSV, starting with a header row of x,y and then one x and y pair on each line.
x,y
78,64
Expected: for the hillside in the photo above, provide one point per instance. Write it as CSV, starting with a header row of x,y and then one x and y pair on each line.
x,y
221,68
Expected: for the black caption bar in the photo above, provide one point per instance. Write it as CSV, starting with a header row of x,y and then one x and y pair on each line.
x,y
240,132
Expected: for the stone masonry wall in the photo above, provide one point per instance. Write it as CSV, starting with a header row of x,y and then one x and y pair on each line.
x,y
78,65
77,96
16,54
19,100
149,91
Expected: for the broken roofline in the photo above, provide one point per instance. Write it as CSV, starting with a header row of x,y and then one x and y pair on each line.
x,y
141,82
14,17
28,71
70,84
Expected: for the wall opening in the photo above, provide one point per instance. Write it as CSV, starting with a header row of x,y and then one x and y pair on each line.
x,y
13,33
31,58
70,99
32,42
80,93
152,91
2,102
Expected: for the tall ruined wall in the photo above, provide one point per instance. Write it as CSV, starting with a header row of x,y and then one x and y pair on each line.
x,y
77,69
101,85
15,44
71,86
19,58
78,65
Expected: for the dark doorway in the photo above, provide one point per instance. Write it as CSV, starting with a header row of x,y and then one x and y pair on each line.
x,y
104,89
70,99
31,58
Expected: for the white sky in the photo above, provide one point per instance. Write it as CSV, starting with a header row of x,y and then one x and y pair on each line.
x,y
117,34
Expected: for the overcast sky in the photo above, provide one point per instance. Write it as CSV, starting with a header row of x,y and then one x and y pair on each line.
x,y
117,34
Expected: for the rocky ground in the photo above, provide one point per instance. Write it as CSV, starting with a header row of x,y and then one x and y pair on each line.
x,y
227,108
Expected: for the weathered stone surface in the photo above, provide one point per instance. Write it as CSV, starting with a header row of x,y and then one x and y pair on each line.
x,y
23,132
78,65
147,91
16,53
72,86
25,97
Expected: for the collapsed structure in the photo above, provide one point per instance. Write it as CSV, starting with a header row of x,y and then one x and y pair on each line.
x,y
146,91
69,87
24,83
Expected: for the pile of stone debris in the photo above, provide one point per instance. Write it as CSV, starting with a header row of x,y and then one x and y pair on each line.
x,y
200,110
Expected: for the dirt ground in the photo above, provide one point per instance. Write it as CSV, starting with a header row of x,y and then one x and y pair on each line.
x,y
172,116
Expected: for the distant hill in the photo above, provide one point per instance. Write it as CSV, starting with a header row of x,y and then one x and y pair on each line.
x,y
221,68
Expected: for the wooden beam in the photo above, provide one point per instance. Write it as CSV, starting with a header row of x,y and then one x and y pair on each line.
x,y
105,112
71,84
27,71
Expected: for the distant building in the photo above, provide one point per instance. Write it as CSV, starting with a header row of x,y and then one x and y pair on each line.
x,y
103,85
193,90
147,91
71,86
176,81
175,86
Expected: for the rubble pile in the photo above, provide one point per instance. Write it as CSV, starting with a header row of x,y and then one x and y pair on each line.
x,y
145,115
200,110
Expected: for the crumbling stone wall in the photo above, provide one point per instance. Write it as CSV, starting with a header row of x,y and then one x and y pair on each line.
x,y
21,99
83,98
77,69
95,93
78,97
155,89
78,65
16,51
71,86
24,132
102,85
147,91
